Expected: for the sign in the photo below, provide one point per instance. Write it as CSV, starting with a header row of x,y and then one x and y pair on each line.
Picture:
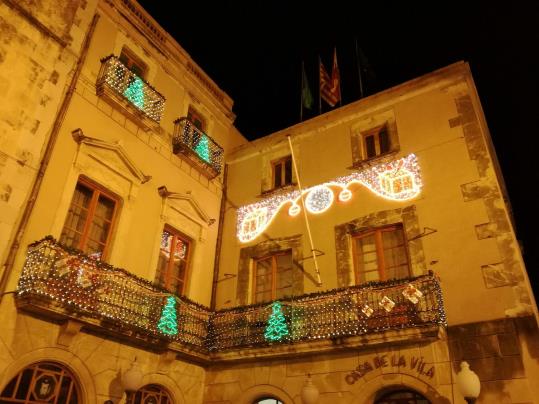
x,y
382,361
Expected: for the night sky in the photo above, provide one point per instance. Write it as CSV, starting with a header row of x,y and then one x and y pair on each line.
x,y
253,51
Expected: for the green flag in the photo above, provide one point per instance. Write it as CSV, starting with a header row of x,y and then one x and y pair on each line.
x,y
306,96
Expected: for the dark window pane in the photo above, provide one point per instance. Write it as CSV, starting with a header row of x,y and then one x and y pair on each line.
x,y
288,171
370,146
384,141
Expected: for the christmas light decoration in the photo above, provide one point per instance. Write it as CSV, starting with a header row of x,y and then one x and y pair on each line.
x,y
319,199
202,149
168,324
133,88
398,180
276,329
56,277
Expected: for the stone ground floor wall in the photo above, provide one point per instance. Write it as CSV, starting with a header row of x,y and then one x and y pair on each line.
x,y
96,362
504,354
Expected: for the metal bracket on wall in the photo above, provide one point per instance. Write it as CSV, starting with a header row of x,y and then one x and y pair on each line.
x,y
227,276
316,252
426,231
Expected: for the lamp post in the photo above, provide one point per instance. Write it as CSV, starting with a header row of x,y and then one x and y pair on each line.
x,y
309,393
468,383
131,380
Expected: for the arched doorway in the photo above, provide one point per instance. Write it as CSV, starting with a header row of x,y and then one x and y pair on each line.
x,y
400,396
41,382
151,394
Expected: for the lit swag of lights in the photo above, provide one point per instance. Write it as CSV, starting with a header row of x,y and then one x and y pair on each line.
x,y
398,180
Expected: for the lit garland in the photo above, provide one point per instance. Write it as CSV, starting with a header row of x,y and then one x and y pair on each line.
x,y
133,88
398,180
168,323
72,280
276,329
187,135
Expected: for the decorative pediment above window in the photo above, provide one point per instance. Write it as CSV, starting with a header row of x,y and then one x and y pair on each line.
x,y
110,155
183,210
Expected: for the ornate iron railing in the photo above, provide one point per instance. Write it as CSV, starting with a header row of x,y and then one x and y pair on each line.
x,y
197,145
127,85
54,274
97,290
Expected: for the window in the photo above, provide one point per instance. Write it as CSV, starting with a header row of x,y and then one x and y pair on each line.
x,y
282,172
380,254
151,394
196,118
273,277
42,382
133,63
173,260
90,219
375,142
402,397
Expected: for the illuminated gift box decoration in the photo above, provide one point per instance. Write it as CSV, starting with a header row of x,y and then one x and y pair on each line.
x,y
398,180
412,293
387,304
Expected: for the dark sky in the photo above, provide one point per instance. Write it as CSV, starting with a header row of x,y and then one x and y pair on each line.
x,y
253,50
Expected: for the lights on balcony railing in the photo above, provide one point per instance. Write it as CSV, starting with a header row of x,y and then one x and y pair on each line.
x,y
98,290
128,85
192,141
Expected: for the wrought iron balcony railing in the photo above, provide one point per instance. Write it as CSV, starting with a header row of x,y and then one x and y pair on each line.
x,y
200,148
68,283
117,79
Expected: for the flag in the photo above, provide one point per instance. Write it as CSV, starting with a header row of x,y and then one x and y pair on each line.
x,y
306,95
330,90
335,77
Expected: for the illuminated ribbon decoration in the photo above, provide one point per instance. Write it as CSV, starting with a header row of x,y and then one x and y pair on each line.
x,y
398,180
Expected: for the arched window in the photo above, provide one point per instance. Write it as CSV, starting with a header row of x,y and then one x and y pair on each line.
x,y
152,394
42,382
268,400
401,396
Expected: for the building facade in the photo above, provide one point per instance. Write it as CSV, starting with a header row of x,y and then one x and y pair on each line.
x,y
369,250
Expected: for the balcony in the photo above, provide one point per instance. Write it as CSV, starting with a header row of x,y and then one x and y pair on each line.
x,y
64,284
199,148
121,87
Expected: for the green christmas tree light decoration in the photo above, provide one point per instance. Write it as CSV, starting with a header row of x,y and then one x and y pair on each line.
x,y
203,149
168,324
276,329
135,92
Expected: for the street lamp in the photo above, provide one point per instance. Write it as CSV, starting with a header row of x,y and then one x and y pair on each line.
x,y
131,380
468,383
309,393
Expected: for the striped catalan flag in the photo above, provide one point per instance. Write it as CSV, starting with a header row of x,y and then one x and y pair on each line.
x,y
330,90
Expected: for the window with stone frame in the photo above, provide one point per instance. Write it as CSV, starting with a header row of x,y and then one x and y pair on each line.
x,y
150,394
173,262
375,142
380,254
196,118
90,219
133,63
272,277
282,172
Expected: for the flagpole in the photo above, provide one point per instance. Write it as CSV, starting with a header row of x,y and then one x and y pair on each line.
x,y
301,92
319,87
359,71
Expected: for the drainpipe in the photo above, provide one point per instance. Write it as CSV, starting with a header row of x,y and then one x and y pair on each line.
x,y
15,244
219,241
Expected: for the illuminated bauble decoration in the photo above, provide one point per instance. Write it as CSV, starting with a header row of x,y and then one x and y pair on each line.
x,y
294,209
345,195
319,199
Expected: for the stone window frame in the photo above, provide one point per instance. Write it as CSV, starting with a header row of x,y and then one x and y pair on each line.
x,y
366,127
130,59
248,255
344,234
194,114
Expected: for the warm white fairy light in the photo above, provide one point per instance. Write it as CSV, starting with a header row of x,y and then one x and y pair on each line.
x,y
319,199
398,180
